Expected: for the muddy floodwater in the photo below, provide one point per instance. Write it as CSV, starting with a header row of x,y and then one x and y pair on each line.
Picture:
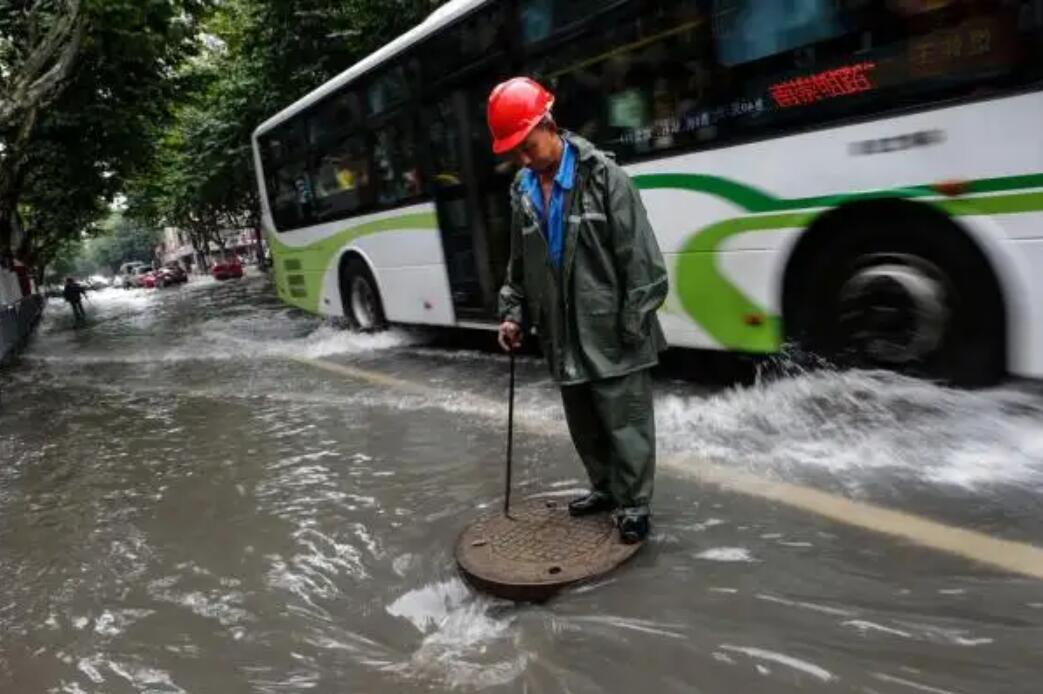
x,y
187,504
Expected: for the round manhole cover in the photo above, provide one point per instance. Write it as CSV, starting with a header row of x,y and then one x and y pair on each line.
x,y
539,550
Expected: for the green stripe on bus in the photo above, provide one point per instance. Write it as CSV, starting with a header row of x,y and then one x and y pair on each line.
x,y
755,200
307,286
716,304
706,295
992,204
720,308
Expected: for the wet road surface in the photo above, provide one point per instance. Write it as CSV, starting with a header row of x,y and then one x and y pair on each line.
x,y
185,508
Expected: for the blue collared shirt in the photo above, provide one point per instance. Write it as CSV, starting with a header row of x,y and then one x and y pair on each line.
x,y
553,223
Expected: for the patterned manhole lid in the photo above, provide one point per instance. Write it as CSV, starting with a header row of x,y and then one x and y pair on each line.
x,y
539,550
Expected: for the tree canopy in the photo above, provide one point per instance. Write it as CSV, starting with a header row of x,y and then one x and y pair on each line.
x,y
259,56
83,86
156,100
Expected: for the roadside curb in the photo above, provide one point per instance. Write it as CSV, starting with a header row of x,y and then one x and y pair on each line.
x,y
18,321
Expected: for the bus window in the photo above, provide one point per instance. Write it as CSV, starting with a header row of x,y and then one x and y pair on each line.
x,y
540,19
444,137
290,192
342,183
667,74
387,90
291,196
624,81
748,30
333,118
478,39
395,164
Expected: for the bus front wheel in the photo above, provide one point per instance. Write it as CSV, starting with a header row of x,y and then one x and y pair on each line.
x,y
913,294
360,297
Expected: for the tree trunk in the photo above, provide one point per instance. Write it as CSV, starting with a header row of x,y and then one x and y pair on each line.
x,y
29,87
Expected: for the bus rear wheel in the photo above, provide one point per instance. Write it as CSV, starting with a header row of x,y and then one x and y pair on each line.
x,y
360,297
914,295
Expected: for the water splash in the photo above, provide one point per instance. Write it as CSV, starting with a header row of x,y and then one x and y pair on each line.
x,y
789,661
851,425
467,640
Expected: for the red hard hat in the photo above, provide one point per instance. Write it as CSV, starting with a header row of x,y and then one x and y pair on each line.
x,y
515,108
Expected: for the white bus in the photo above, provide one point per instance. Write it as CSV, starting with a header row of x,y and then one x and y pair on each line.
x,y
862,177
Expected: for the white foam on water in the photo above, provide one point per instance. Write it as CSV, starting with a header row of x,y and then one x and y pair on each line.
x,y
726,554
945,635
782,659
854,424
866,626
132,326
324,341
804,605
891,679
146,679
706,524
225,341
111,623
89,667
219,604
615,624
459,639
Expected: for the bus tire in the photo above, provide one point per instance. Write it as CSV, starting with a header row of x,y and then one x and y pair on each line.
x,y
898,286
360,297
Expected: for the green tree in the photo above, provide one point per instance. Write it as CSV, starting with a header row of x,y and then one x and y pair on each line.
x,y
39,46
115,240
121,240
260,55
110,71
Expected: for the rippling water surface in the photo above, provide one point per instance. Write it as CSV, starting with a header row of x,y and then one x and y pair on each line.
x,y
183,508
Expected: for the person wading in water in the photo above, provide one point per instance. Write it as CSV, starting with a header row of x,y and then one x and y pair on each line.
x,y
73,293
586,272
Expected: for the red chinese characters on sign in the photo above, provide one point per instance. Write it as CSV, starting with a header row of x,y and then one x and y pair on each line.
x,y
825,85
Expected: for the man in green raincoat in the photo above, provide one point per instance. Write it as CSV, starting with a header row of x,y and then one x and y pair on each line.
x,y
586,273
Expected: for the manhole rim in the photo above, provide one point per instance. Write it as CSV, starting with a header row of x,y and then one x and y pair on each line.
x,y
494,575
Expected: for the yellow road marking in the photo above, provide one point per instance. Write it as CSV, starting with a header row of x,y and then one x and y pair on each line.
x,y
1007,555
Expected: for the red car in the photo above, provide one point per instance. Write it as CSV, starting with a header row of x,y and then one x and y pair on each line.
x,y
227,269
170,274
145,279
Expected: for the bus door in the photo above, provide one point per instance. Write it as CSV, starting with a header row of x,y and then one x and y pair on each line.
x,y
472,202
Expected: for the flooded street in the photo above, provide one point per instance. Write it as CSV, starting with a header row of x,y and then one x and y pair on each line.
x,y
205,491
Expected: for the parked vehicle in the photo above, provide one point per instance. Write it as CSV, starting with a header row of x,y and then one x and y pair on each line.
x,y
145,278
227,268
128,274
170,274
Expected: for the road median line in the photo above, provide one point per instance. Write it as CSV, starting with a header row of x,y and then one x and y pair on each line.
x,y
1007,555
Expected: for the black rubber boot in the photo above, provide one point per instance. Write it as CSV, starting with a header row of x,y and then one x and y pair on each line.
x,y
634,526
595,502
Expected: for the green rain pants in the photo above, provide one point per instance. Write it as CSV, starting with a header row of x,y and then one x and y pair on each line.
x,y
612,423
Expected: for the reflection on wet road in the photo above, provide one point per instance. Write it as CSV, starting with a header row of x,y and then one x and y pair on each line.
x,y
184,508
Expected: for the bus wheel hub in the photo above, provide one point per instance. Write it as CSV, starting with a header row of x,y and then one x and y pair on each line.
x,y
363,304
894,311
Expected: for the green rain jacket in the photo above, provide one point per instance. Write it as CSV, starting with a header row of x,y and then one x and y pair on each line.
x,y
596,317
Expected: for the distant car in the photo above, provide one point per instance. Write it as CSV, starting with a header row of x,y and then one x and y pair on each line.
x,y
127,277
226,269
145,278
97,282
170,274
